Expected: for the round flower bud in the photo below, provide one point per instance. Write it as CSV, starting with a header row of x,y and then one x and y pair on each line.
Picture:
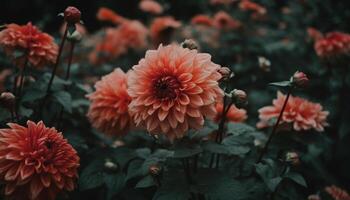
x,y
240,97
225,73
72,15
189,44
111,165
7,100
154,170
300,79
293,158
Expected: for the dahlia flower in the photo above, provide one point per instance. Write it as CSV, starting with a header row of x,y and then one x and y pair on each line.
x,y
38,47
302,114
133,33
247,5
150,6
162,28
222,20
234,114
222,2
202,20
108,111
337,193
173,89
36,162
333,44
106,14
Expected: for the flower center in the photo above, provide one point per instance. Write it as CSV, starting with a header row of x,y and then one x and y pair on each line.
x,y
166,87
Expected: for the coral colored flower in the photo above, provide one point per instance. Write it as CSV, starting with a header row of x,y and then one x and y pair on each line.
x,y
106,14
314,34
134,34
36,162
234,114
162,28
337,193
173,89
38,47
202,20
222,2
302,114
333,44
108,111
247,5
222,20
150,6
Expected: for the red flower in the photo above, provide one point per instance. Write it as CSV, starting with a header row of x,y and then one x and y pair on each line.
x,y
337,193
150,6
222,2
222,20
314,34
234,114
173,89
162,28
247,5
106,14
202,20
302,114
108,111
38,47
333,44
72,15
36,162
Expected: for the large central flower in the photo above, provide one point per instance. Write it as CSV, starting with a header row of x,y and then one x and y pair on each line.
x,y
172,89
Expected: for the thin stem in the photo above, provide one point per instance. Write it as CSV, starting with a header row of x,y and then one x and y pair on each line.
x,y
264,150
18,90
186,169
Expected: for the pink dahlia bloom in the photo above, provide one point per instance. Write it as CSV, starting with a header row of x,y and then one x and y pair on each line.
x,y
150,6
108,15
333,44
173,89
38,47
247,5
202,20
234,114
108,111
162,28
133,33
223,20
337,193
302,114
36,162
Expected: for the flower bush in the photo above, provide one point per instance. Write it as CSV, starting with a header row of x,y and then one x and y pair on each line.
x,y
162,100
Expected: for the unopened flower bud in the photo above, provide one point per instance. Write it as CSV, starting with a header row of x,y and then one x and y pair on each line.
x,y
118,143
314,197
240,97
72,15
110,165
75,36
293,158
264,64
7,100
189,44
300,79
226,73
154,170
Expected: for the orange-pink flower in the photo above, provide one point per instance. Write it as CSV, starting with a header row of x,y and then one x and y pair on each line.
x,y
222,2
223,20
38,47
247,5
150,6
302,114
333,44
173,89
202,20
162,28
36,162
133,33
337,193
106,14
108,111
314,34
234,114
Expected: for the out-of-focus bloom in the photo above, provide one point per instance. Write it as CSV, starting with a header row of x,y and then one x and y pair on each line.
x,y
247,5
333,44
36,162
314,34
221,2
3,75
293,158
222,20
234,114
150,6
7,100
337,193
226,73
314,197
38,47
173,89
202,20
264,64
300,79
72,15
134,34
162,28
302,114
106,14
108,111
189,44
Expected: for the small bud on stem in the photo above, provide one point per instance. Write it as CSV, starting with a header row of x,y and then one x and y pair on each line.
x,y
189,44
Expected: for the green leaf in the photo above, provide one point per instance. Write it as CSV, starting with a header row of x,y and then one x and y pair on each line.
x,y
92,176
214,147
145,182
64,99
4,114
33,94
283,84
239,128
26,112
268,171
298,178
115,183
185,151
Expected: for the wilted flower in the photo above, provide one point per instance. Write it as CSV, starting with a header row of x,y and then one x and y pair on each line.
x,y
162,28
337,193
222,20
106,14
300,79
38,47
189,44
202,20
173,89
72,15
234,114
150,6
333,44
302,114
247,5
108,111
226,73
36,162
